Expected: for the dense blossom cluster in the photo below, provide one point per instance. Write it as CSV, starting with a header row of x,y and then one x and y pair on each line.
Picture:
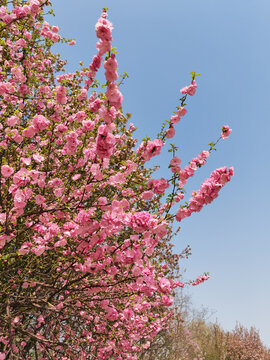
x,y
190,89
84,242
190,169
208,192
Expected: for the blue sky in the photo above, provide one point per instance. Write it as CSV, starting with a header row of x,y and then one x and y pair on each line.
x,y
227,41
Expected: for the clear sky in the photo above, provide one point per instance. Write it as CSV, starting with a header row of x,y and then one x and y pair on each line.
x,y
227,41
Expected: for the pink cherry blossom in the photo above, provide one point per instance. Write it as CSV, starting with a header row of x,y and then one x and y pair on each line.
x,y
147,195
159,186
165,285
13,120
6,171
39,199
95,105
190,89
142,221
175,161
103,46
61,97
20,199
29,132
39,250
225,132
182,111
95,65
150,149
170,132
167,300
105,142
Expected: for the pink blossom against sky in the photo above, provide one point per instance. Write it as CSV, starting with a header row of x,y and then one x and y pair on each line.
x,y
227,41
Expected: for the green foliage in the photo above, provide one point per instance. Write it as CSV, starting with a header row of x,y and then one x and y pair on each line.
x,y
123,77
194,75
212,146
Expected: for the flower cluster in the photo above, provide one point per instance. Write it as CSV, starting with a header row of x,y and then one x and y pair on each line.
x,y
149,149
200,279
85,256
190,169
225,132
208,192
190,89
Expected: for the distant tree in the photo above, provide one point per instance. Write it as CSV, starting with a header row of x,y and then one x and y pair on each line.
x,y
244,344
191,337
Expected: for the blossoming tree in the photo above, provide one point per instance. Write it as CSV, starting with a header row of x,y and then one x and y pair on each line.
x,y
84,237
